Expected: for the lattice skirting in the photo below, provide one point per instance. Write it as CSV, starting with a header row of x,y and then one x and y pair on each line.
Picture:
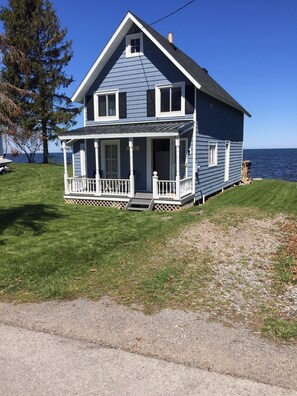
x,y
159,207
93,202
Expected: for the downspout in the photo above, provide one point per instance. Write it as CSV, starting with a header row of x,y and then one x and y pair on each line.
x,y
194,143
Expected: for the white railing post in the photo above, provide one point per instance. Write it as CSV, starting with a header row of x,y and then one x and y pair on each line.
x,y
177,145
155,185
132,181
65,168
97,174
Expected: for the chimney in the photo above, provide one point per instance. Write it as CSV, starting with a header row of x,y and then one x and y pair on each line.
x,y
170,38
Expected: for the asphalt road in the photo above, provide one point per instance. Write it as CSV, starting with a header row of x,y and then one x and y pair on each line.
x,y
36,363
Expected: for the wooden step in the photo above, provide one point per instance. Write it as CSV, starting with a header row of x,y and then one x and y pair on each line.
x,y
140,204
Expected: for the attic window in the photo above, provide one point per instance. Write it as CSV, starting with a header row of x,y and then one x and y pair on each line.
x,y
134,45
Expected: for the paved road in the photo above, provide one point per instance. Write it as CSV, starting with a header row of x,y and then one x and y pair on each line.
x,y
36,363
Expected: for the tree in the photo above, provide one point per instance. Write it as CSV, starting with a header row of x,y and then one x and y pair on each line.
x,y
8,106
33,27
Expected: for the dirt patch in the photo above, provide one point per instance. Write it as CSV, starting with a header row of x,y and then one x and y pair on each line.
x,y
242,261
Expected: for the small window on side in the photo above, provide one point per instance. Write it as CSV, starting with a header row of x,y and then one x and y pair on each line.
x,y
213,154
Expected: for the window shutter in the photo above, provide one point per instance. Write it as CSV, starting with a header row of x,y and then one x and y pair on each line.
x,y
90,107
150,103
190,101
123,105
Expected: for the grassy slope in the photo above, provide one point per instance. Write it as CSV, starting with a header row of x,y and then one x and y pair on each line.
x,y
52,250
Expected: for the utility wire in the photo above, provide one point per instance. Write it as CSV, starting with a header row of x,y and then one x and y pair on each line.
x,y
172,13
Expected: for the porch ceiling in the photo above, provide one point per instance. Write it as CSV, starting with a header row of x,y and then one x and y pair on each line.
x,y
116,131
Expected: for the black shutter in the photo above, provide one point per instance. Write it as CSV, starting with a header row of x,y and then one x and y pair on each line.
x,y
90,107
190,101
150,103
123,105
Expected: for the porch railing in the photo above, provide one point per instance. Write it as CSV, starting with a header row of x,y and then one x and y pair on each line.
x,y
168,188
186,186
88,186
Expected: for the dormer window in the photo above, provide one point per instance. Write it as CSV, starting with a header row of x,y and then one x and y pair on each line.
x,y
134,45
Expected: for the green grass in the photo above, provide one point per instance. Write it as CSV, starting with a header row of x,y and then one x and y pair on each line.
x,y
51,250
279,328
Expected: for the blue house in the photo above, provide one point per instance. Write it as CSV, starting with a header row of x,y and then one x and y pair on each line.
x,y
159,133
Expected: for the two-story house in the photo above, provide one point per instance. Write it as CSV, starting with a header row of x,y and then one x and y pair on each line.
x,y
158,131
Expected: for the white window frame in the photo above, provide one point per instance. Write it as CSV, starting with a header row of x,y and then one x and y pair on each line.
x,y
130,37
213,159
104,143
96,105
160,113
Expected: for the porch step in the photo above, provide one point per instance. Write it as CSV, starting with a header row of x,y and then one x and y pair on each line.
x,y
140,204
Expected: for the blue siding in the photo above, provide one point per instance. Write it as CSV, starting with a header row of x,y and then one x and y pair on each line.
x,y
1,146
76,159
135,75
217,122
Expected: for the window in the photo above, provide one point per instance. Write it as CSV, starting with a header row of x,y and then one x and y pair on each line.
x,y
106,105
170,99
134,45
212,154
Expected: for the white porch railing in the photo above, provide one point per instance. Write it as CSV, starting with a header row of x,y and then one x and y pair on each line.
x,y
167,188
87,186
186,186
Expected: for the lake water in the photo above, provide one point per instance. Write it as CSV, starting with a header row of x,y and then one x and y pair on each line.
x,y
266,163
273,163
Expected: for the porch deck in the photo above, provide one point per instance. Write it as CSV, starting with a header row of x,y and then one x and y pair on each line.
x,y
166,194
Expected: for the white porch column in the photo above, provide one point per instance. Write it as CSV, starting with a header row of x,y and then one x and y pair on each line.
x,y
65,167
155,185
132,180
97,174
177,178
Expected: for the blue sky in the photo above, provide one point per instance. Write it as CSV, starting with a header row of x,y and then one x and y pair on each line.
x,y
248,47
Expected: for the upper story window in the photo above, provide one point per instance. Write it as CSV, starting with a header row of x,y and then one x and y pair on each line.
x,y
213,154
134,45
170,100
106,105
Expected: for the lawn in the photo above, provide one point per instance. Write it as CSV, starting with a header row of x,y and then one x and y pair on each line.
x,y
51,250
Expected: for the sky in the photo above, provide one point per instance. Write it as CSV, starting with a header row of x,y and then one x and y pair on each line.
x,y
248,47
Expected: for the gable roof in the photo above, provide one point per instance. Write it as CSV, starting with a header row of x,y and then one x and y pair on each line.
x,y
196,74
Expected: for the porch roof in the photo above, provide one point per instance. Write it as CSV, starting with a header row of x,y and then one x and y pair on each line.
x,y
116,131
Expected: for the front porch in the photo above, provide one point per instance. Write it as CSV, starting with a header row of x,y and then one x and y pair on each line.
x,y
166,194
153,157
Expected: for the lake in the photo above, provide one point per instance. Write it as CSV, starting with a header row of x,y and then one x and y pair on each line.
x,y
266,163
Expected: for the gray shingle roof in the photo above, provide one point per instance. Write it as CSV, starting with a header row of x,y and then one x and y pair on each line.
x,y
208,84
150,128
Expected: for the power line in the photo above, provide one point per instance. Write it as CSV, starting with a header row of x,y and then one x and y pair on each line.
x,y
172,13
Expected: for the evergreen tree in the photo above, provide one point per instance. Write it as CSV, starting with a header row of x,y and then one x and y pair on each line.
x,y
33,27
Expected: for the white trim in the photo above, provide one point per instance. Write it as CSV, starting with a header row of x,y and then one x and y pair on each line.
x,y
96,105
103,164
108,50
83,158
194,142
158,88
130,37
149,161
215,161
227,160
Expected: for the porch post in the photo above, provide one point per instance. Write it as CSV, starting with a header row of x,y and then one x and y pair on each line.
x,y
177,144
132,181
97,174
155,185
65,167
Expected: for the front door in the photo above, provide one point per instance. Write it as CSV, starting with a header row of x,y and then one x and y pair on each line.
x,y
110,159
161,158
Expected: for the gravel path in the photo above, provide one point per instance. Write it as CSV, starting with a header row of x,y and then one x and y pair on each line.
x,y
171,335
